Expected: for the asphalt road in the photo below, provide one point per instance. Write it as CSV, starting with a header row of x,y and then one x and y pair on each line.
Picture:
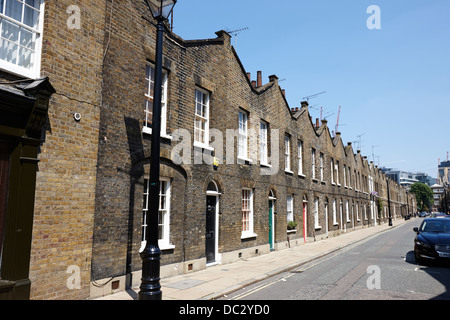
x,y
380,268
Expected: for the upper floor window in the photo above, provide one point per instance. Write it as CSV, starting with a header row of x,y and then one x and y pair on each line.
x,y
321,166
332,170
21,36
287,153
313,163
263,145
300,158
149,93
201,125
243,135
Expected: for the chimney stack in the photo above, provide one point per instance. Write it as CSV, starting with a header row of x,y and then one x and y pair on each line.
x,y
249,75
259,79
253,83
317,123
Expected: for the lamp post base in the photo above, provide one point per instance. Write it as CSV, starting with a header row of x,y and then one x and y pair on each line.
x,y
150,288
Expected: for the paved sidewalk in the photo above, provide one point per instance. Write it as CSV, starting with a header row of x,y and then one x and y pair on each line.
x,y
219,280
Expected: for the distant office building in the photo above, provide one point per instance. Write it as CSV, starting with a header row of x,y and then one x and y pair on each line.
x,y
443,170
406,179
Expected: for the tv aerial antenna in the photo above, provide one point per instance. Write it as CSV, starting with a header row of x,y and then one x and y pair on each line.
x,y
313,96
235,34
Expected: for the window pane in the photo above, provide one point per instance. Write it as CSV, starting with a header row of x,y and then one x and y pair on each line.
x,y
1,5
14,9
30,17
33,3
26,39
25,56
10,31
8,51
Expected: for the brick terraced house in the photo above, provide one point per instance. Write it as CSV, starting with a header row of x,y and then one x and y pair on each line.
x,y
242,173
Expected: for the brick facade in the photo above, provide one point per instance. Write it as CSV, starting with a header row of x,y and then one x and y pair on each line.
x,y
90,184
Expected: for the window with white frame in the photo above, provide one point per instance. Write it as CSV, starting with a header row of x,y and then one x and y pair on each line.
x,y
336,168
290,207
321,166
263,146
243,135
347,214
300,158
349,177
334,212
247,213
357,212
332,170
21,25
287,153
164,213
201,125
316,213
345,175
149,93
313,163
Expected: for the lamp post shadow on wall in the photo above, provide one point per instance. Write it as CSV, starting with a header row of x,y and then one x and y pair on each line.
x,y
150,288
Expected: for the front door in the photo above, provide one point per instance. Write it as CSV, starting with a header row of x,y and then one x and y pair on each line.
x,y
271,225
210,241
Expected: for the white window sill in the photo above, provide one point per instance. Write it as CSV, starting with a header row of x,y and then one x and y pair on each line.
x,y
317,227
291,231
163,135
243,160
203,146
263,164
247,235
301,175
289,171
162,246
20,71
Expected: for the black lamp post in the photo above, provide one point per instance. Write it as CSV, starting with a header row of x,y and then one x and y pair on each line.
x,y
389,202
150,288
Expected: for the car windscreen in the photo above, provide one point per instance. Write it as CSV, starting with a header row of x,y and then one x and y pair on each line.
x,y
436,226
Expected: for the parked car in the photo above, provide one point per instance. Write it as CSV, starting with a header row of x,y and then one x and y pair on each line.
x,y
437,215
423,214
432,240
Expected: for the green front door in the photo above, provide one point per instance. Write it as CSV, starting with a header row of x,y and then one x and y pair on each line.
x,y
271,225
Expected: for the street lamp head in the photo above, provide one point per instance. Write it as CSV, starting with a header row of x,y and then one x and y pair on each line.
x,y
161,9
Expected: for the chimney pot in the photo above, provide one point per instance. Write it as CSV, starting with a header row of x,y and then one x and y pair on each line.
x,y
259,79
253,83
273,78
284,92
249,75
317,123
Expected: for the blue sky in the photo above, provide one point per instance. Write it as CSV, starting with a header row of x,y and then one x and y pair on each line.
x,y
393,84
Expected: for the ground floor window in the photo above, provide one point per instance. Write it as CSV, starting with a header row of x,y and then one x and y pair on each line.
x,y
247,212
164,212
